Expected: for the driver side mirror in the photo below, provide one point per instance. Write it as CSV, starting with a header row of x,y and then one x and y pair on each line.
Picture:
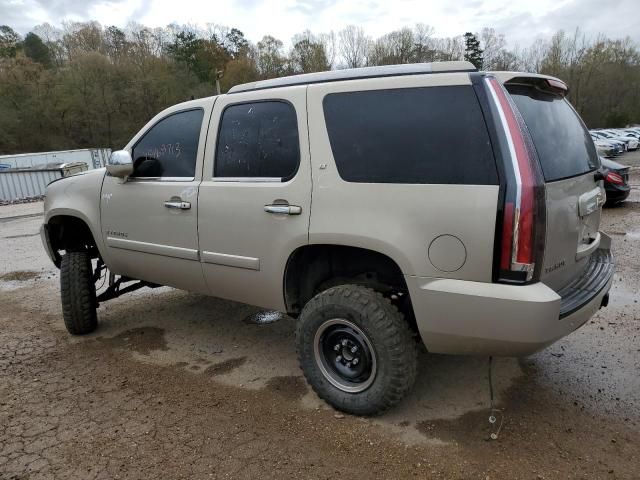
x,y
120,164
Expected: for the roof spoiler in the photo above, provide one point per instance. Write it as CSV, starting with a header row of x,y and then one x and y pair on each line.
x,y
544,83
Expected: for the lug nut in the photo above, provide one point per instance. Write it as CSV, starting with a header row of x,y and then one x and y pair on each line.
x,y
354,349
348,364
344,343
337,347
355,361
339,358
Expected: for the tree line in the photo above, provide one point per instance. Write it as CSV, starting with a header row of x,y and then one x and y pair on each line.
x,y
88,85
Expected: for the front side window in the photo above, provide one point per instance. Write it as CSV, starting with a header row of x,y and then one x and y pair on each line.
x,y
170,147
426,135
258,140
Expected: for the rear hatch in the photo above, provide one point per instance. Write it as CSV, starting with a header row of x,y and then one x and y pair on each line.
x,y
569,161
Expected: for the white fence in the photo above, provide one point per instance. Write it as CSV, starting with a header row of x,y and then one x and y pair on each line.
x,y
28,183
92,157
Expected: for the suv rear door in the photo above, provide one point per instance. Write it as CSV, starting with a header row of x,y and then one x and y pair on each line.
x,y
568,160
255,197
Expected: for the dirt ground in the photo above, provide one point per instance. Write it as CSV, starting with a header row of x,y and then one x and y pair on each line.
x,y
176,385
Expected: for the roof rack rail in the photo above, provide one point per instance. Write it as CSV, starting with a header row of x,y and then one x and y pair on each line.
x,y
357,73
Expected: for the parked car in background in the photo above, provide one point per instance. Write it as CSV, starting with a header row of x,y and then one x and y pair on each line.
x,y
598,135
607,148
615,181
621,132
630,133
630,142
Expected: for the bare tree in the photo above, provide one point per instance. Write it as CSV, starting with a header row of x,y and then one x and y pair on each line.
x,y
328,41
52,37
423,49
393,48
493,45
353,46
270,60
308,54
450,48
531,58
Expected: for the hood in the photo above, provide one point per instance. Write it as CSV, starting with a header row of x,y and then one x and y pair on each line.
x,y
86,173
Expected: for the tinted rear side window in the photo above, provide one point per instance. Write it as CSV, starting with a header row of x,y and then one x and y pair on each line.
x,y
564,146
258,140
410,135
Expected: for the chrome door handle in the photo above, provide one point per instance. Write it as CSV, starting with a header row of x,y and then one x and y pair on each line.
x,y
178,205
284,209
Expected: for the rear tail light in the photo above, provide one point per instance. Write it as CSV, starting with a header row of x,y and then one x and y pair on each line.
x,y
522,210
613,177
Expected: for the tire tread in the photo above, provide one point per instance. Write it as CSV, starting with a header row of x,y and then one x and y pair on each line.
x,y
77,293
382,318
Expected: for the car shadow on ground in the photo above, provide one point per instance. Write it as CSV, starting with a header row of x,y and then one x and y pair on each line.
x,y
219,338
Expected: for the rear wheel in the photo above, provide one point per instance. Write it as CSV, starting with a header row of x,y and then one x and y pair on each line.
x,y
78,293
356,350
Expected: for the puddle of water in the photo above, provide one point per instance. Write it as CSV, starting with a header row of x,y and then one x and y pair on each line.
x,y
225,367
25,235
264,317
19,276
20,217
290,387
141,340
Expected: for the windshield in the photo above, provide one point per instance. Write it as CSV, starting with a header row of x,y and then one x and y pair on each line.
x,y
563,143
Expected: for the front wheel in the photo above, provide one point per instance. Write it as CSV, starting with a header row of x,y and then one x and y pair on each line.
x,y
356,350
78,293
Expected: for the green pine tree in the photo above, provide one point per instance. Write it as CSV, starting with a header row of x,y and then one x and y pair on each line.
x,y
36,50
472,50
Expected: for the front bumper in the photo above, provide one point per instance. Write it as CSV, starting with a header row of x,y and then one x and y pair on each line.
x,y
462,317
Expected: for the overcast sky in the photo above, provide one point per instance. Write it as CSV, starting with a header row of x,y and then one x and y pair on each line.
x,y
520,20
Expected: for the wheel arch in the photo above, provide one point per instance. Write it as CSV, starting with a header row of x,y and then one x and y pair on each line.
x,y
313,268
70,230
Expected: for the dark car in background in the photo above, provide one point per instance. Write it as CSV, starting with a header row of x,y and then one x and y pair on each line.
x,y
616,181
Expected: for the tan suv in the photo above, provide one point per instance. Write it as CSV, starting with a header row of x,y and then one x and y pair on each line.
x,y
379,206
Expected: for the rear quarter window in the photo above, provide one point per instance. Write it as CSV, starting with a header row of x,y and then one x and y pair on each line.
x,y
565,148
433,135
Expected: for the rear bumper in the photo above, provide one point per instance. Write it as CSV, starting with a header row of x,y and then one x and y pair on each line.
x,y
617,193
462,317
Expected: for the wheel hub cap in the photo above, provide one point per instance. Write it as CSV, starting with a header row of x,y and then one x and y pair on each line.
x,y
345,355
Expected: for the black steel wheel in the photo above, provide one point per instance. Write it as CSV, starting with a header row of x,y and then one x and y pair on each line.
x,y
345,355
356,350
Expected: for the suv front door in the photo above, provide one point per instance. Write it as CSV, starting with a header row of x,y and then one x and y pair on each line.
x,y
149,222
255,197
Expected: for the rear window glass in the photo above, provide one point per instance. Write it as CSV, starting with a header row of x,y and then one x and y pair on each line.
x,y
564,146
410,135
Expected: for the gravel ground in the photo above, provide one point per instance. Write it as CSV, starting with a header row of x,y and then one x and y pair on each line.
x,y
176,385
